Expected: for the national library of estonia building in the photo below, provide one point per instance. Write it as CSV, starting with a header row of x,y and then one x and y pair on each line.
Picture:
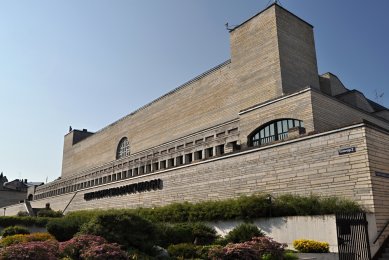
x,y
262,122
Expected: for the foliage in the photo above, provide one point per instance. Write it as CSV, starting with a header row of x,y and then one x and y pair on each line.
x,y
22,214
249,207
74,247
243,232
47,250
244,207
105,251
127,229
286,256
24,221
186,251
296,205
189,251
197,233
253,249
65,228
311,246
14,230
19,238
50,213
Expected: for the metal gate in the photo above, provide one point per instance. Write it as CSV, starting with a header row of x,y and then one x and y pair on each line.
x,y
353,237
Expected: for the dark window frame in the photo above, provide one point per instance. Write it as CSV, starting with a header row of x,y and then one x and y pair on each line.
x,y
273,131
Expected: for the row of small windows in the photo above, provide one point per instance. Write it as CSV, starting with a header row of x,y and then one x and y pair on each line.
x,y
123,148
273,131
270,132
143,169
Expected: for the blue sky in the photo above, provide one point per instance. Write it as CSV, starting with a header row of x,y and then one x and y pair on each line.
x,y
88,63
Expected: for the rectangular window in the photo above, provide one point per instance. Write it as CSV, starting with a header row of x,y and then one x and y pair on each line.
x,y
162,165
188,158
170,163
220,149
148,168
135,172
141,170
198,155
209,152
155,166
179,160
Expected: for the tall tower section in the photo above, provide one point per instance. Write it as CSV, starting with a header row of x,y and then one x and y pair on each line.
x,y
272,54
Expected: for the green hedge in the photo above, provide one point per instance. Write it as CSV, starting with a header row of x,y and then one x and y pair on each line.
x,y
23,221
245,207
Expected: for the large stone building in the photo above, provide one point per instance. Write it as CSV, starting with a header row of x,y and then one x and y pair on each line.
x,y
263,121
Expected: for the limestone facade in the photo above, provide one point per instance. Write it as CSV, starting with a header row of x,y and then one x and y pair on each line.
x,y
315,135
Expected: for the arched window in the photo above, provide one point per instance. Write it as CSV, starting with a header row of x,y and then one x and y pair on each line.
x,y
273,131
123,149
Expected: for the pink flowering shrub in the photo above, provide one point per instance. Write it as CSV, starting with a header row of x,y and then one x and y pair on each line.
x,y
47,250
90,247
253,249
104,252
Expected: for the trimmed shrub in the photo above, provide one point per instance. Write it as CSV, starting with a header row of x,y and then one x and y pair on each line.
x,y
15,239
50,213
311,246
196,233
23,214
127,229
243,232
253,249
104,252
286,256
185,251
65,228
23,221
74,247
14,230
47,250
189,251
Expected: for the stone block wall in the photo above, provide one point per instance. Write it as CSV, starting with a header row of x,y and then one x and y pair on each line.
x,y
301,166
378,154
330,113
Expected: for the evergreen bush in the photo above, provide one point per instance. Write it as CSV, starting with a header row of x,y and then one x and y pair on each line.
x,y
14,230
50,213
195,233
23,221
123,228
243,232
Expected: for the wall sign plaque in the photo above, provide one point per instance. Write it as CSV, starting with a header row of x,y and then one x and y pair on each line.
x,y
144,186
347,150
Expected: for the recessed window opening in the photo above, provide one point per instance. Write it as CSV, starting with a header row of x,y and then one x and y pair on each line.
x,y
198,155
170,163
209,152
188,158
123,148
179,160
274,131
155,166
162,164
